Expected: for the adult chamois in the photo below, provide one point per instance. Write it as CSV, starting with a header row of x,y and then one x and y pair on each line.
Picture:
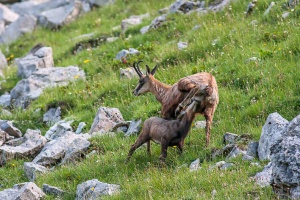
x,y
167,132
176,97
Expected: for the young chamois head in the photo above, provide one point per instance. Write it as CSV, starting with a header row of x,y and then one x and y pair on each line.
x,y
145,80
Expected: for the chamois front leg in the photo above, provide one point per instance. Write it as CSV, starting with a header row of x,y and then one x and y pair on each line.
x,y
164,149
180,146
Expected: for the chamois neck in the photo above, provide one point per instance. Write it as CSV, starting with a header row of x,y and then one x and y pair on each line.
x,y
185,124
159,89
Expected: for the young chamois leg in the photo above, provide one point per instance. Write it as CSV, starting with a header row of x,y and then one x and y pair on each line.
x,y
180,146
137,144
164,149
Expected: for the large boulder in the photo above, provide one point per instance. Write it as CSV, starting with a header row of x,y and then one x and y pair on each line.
x,y
60,16
94,189
24,24
32,145
106,119
7,15
42,58
24,191
285,154
30,89
67,148
271,132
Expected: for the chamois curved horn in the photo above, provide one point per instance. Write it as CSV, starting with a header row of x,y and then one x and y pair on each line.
x,y
136,68
154,69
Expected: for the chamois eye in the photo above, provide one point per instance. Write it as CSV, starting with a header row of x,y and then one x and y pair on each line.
x,y
141,81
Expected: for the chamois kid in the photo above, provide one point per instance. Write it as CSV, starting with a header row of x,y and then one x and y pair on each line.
x,y
166,132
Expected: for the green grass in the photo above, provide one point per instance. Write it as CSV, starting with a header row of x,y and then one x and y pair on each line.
x,y
249,91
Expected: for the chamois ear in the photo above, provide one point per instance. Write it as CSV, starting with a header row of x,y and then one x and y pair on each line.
x,y
154,70
148,69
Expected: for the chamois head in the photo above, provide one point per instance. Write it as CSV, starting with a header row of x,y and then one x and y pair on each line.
x,y
144,82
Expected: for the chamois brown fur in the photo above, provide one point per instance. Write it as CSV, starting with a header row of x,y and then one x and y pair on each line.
x,y
174,98
166,132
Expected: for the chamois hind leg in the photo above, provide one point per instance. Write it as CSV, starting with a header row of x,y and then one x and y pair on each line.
x,y
136,145
148,148
208,114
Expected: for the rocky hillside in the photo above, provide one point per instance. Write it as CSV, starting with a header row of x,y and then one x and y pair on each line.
x,y
68,115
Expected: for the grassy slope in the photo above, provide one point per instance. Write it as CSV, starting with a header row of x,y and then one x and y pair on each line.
x,y
249,91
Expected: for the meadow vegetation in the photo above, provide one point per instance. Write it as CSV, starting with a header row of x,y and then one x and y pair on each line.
x,y
249,91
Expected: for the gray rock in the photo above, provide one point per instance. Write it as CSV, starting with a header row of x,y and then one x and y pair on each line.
x,y
252,149
24,24
271,132
31,88
264,177
182,45
128,73
230,138
3,62
196,27
25,191
226,166
58,129
60,16
66,148
195,165
145,29
123,54
7,15
31,146
200,124
269,8
2,28
51,190
52,115
37,7
106,119
81,125
247,157
42,58
3,137
285,154
134,127
183,6
224,151
9,128
94,189
31,170
220,6
133,20
5,100
295,193
285,15
235,152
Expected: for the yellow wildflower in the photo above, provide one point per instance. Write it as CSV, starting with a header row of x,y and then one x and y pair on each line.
x,y
86,61
76,76
12,56
92,188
